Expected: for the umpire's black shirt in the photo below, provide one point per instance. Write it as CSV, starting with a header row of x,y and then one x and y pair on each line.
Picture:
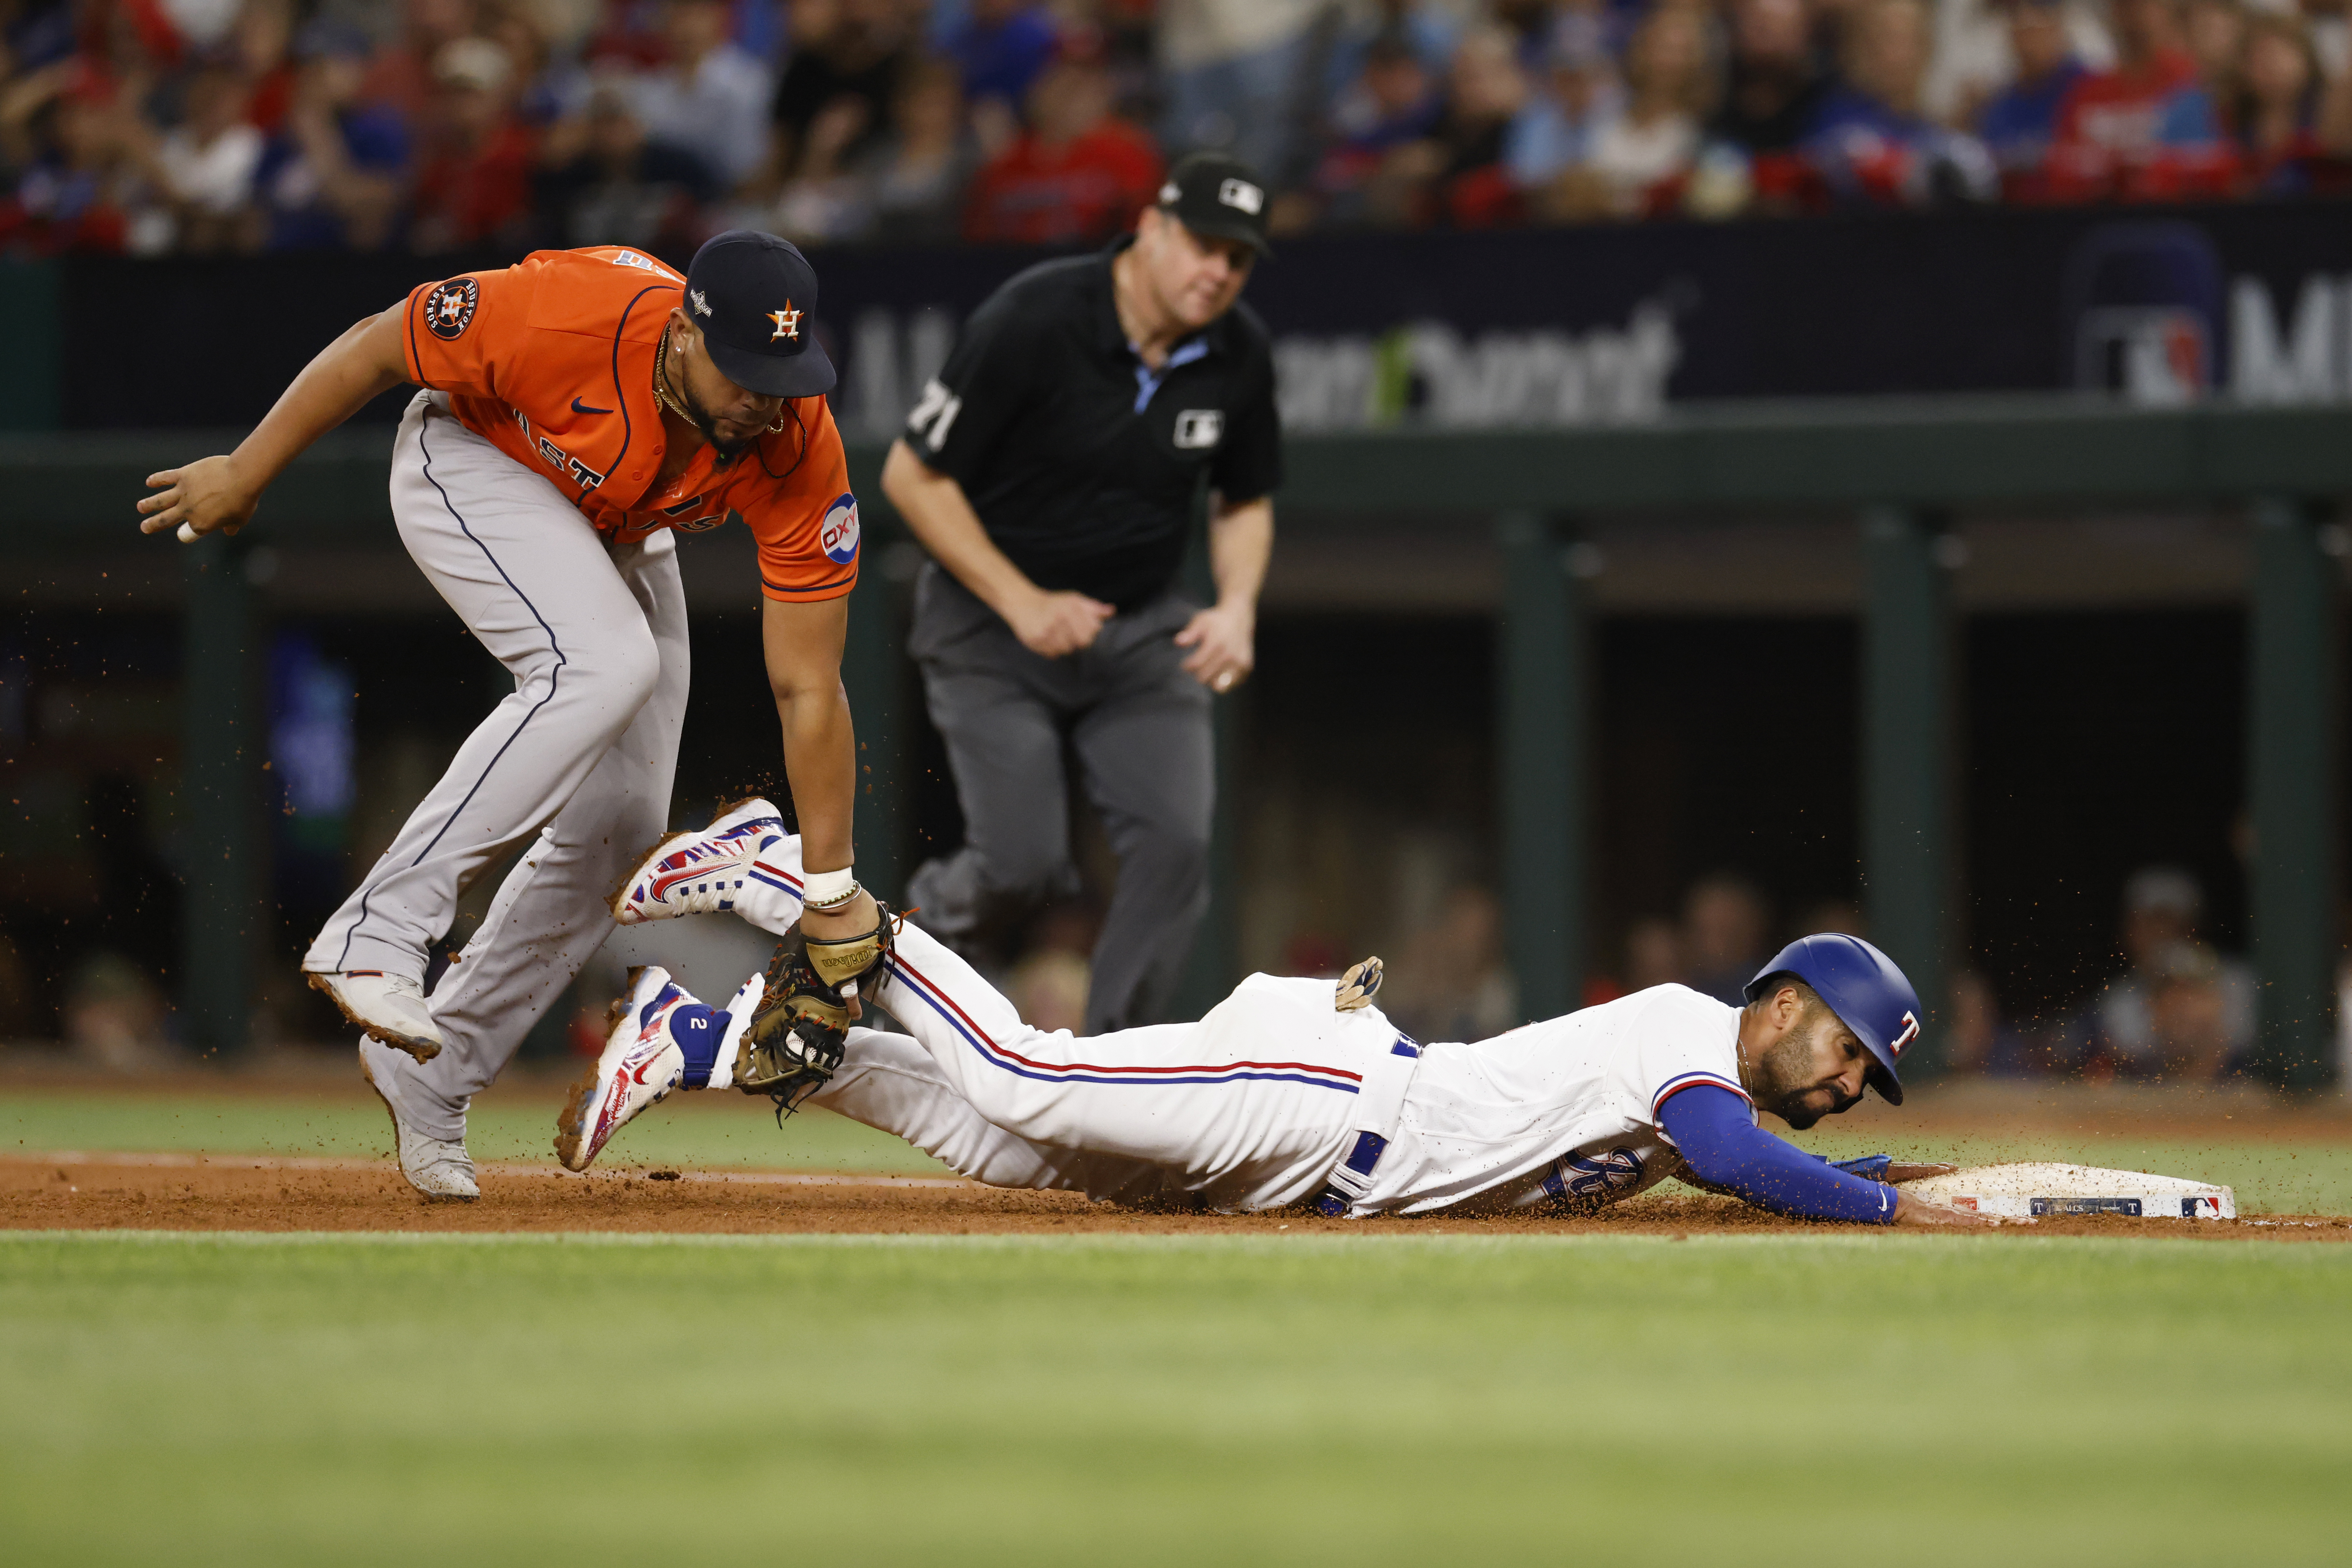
x,y
1081,463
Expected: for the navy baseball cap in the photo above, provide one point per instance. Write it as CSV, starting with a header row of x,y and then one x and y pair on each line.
x,y
1219,197
1864,988
754,297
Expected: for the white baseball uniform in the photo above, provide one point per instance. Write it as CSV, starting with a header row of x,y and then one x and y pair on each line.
x,y
1275,1098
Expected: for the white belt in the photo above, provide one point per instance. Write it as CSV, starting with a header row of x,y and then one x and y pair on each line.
x,y
1379,1103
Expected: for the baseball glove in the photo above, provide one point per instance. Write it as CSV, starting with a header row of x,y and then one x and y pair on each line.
x,y
842,962
794,1043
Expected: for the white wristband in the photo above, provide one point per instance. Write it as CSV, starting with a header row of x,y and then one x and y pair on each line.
x,y
821,888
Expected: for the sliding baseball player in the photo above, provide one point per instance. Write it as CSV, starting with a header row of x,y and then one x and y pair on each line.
x,y
1290,1090
579,408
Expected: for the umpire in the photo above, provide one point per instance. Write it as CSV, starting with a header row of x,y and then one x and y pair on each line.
x,y
1051,470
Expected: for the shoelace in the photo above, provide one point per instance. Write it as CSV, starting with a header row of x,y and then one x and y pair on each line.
x,y
707,897
787,1100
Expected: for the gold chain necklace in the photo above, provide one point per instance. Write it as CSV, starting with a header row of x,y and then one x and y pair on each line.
x,y
661,380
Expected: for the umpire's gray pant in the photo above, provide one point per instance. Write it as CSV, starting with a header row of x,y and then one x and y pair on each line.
x,y
581,754
1140,728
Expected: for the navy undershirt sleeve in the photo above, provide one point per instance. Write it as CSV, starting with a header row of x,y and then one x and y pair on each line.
x,y
1724,1149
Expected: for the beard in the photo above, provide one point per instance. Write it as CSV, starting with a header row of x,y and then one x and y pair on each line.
x,y
1784,1076
722,452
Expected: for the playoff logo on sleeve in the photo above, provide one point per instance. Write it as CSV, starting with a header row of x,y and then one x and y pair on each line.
x,y
450,309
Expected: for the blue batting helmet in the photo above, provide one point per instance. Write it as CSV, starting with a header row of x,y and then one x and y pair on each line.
x,y
1866,991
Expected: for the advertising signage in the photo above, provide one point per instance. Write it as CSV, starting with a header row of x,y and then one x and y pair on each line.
x,y
1471,331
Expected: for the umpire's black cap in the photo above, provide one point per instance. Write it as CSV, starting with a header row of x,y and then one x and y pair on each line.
x,y
1218,196
754,297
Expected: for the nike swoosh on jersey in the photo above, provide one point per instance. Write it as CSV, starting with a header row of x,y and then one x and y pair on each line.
x,y
579,407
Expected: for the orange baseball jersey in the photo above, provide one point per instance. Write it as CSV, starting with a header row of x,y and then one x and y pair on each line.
x,y
552,360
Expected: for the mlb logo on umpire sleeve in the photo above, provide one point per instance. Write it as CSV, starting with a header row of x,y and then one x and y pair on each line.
x,y
1198,429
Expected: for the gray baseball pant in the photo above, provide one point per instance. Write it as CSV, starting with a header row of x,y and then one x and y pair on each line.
x,y
1140,729
581,754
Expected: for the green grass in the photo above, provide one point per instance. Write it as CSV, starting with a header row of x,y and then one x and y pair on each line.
x,y
703,1132
953,1401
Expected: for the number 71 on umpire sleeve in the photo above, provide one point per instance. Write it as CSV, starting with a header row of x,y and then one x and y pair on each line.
x,y
935,415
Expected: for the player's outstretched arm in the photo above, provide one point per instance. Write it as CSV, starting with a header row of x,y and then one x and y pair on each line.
x,y
220,492
1886,1168
1727,1152
803,644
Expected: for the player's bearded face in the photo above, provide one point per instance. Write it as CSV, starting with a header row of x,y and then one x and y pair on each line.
x,y
1800,1078
729,418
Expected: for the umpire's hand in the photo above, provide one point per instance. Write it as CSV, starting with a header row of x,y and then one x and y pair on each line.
x,y
1053,625
1223,639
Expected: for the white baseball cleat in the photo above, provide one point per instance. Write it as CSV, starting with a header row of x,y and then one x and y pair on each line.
x,y
640,1065
389,1008
702,872
643,1058
437,1168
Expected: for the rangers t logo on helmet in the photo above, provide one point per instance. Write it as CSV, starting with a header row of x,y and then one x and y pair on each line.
x,y
1910,1033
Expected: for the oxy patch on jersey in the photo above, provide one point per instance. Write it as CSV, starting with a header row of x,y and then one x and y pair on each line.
x,y
450,309
839,535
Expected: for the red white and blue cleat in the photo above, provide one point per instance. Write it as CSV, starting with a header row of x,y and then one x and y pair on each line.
x,y
641,1063
661,1038
742,864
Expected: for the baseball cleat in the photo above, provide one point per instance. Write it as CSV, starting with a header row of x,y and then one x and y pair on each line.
x,y
700,872
641,1063
389,1009
437,1168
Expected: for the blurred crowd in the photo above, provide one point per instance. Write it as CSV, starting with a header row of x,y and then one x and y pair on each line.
x,y
2177,1010
155,126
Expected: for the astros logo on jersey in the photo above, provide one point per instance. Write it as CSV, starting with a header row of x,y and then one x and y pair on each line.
x,y
788,323
450,309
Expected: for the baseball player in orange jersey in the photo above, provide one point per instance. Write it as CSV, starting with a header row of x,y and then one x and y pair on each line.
x,y
579,408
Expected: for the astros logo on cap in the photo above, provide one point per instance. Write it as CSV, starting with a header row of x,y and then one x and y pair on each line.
x,y
788,322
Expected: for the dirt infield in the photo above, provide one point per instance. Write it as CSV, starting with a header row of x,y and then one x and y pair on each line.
x,y
149,1192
